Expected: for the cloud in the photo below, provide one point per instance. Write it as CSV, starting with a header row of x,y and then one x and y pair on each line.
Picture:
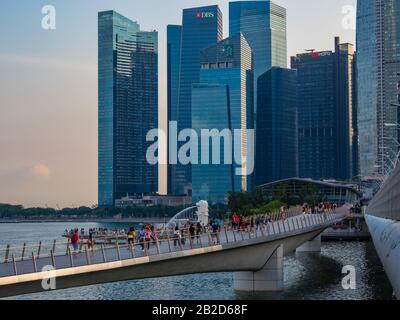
x,y
41,170
25,175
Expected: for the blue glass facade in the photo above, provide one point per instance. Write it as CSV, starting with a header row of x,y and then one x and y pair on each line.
x,y
276,135
327,120
212,182
367,85
391,82
317,115
128,107
174,37
201,27
378,64
223,100
263,24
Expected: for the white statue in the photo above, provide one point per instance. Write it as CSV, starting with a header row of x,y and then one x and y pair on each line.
x,y
202,212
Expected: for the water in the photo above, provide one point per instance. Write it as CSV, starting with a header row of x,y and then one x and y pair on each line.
x,y
307,276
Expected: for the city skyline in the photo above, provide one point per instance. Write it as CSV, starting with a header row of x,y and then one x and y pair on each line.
x,y
58,163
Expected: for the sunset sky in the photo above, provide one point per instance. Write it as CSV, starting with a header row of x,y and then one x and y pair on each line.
x,y
48,86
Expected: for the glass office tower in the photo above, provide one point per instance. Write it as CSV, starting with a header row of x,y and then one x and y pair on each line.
x,y
263,24
174,37
128,107
224,100
367,85
276,136
378,65
327,121
389,113
201,28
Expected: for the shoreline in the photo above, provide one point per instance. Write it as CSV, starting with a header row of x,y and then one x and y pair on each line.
x,y
87,220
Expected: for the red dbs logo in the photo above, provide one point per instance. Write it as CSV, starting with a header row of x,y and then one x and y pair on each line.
x,y
314,55
201,15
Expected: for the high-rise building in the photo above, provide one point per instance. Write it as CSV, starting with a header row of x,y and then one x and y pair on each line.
x,y
128,107
224,100
174,37
263,24
327,121
201,27
378,84
276,135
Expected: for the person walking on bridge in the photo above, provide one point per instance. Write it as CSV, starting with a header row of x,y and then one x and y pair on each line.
x,y
131,236
147,237
328,207
177,236
215,234
90,242
75,240
142,234
192,232
283,213
199,231
235,220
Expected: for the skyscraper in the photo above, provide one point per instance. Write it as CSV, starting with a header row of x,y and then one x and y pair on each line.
x,y
327,121
223,100
276,135
263,24
174,37
201,27
128,107
378,83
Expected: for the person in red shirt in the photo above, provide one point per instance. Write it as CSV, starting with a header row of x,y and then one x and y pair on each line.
x,y
235,220
328,206
75,240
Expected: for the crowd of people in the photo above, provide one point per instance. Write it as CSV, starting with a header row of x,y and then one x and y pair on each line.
x,y
146,235
241,223
190,230
321,208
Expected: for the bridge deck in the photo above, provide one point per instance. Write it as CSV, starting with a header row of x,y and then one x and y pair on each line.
x,y
64,258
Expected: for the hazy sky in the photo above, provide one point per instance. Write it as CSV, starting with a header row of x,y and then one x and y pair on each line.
x,y
48,86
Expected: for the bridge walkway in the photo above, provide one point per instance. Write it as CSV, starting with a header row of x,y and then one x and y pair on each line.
x,y
17,261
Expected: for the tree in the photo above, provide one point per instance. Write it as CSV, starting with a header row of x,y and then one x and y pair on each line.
x,y
280,193
240,202
310,194
259,197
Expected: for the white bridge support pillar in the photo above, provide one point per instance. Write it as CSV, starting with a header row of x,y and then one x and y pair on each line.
x,y
311,246
270,278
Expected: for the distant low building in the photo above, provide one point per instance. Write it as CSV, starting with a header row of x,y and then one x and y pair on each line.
x,y
333,191
153,200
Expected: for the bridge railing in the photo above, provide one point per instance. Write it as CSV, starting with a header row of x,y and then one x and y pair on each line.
x,y
31,259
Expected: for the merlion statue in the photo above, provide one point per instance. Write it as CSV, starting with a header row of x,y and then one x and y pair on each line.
x,y
202,212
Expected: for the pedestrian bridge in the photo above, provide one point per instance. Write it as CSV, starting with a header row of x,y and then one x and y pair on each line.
x,y
255,257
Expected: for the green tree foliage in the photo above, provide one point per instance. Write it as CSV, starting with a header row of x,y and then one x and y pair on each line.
x,y
248,204
310,194
19,212
240,202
